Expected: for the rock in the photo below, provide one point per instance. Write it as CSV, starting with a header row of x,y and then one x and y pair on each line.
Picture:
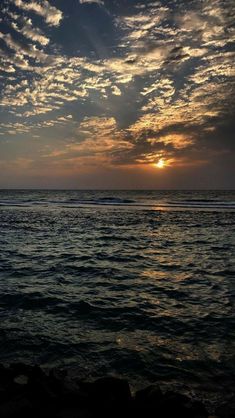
x,y
147,401
198,410
150,394
110,396
41,387
117,390
16,407
5,376
59,374
21,379
227,410
20,369
175,403
73,413
74,394
5,381
29,392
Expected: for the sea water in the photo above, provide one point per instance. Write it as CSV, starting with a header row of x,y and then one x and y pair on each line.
x,y
132,283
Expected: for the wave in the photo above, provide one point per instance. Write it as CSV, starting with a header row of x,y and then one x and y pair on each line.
x,y
104,200
123,202
99,201
202,203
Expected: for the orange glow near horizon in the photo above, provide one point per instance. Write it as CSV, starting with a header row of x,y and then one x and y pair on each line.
x,y
161,163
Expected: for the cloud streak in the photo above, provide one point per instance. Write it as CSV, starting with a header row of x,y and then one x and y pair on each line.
x,y
100,2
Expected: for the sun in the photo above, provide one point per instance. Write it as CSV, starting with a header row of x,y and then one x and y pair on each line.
x,y
161,163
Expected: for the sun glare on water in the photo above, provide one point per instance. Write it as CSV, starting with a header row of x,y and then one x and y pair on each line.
x,y
161,163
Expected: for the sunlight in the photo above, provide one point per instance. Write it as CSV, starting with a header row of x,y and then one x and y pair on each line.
x,y
161,163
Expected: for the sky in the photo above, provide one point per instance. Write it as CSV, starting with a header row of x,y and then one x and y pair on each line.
x,y
117,94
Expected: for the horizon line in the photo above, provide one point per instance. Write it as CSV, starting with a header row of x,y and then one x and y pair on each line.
x,y
113,190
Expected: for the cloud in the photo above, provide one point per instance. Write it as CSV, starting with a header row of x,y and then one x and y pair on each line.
x,y
96,141
116,91
100,2
30,32
57,81
26,128
51,14
175,140
26,50
100,135
162,87
7,68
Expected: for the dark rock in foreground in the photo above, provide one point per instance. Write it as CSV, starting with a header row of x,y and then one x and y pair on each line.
x,y
29,392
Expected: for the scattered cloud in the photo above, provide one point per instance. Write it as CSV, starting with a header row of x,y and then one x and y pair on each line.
x,y
51,14
30,32
149,80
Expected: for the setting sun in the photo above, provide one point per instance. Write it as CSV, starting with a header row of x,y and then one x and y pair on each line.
x,y
161,163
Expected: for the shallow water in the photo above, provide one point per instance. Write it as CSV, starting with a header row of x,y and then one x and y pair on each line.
x,y
139,284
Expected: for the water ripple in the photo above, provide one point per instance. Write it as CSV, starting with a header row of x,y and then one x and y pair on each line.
x,y
112,287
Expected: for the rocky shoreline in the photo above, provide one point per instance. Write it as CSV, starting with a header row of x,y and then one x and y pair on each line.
x,y
30,392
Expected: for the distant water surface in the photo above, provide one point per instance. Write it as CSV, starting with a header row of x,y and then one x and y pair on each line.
x,y
139,284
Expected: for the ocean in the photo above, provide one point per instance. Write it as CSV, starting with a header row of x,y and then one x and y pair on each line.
x,y
138,284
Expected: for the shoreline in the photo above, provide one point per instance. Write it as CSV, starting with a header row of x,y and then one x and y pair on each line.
x,y
33,392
